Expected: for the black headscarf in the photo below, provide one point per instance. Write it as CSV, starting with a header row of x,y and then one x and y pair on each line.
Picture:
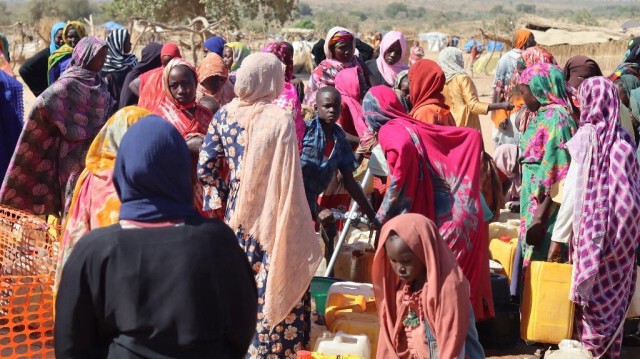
x,y
150,60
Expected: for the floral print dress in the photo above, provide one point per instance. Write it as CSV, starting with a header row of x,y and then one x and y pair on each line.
x,y
225,143
544,156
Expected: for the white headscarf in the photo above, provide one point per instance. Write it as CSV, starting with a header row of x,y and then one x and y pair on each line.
x,y
451,62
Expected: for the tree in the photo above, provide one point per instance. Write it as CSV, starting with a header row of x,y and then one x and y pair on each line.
x,y
65,9
5,14
73,9
303,9
394,8
179,10
305,24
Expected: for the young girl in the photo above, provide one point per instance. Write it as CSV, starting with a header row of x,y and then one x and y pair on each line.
x,y
422,294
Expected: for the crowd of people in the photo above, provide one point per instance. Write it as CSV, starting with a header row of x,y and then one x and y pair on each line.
x,y
190,196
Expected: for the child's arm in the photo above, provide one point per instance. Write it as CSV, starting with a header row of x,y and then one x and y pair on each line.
x,y
353,140
358,195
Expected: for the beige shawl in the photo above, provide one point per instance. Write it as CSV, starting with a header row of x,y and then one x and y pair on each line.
x,y
272,204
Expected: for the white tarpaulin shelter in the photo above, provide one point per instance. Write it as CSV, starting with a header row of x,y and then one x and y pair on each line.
x,y
436,41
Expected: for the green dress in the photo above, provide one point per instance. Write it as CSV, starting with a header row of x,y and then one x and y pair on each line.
x,y
544,156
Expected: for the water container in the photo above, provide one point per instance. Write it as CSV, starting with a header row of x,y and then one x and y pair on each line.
x,y
319,288
498,229
353,288
354,262
359,323
502,331
342,344
303,354
547,312
504,253
340,303
348,297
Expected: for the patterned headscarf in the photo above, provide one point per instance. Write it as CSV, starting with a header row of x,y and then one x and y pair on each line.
x,y
631,63
240,51
66,49
547,84
530,56
54,29
165,81
282,52
335,36
117,59
381,105
451,62
633,51
76,25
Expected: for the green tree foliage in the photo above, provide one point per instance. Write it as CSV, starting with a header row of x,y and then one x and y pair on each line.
x,y
64,9
394,8
178,10
305,24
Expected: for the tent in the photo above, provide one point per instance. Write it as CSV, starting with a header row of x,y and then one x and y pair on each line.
x,y
110,26
469,45
486,63
436,41
495,46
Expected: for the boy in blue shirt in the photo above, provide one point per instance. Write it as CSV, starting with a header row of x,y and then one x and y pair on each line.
x,y
324,150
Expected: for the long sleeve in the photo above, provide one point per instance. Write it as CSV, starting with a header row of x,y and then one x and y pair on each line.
x,y
210,166
77,332
470,96
34,72
563,228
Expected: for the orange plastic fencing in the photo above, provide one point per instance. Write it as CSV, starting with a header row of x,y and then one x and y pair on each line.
x,y
28,256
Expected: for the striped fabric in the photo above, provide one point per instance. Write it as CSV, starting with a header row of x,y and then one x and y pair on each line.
x,y
117,59
606,219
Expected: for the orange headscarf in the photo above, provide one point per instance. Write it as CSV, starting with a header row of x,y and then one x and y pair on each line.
x,y
521,38
212,65
427,82
444,297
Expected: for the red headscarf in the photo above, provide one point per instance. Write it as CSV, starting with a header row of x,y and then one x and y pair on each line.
x,y
444,297
151,92
170,49
177,114
427,82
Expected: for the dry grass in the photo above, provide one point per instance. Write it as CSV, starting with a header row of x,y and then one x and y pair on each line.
x,y
607,55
